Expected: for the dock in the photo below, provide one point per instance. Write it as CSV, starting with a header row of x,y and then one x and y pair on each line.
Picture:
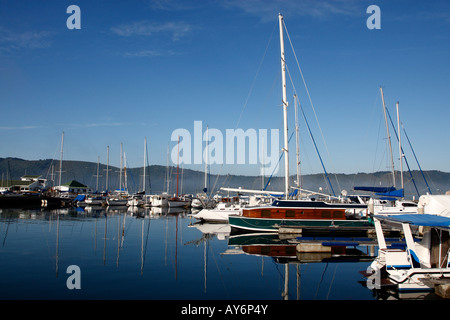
x,y
30,201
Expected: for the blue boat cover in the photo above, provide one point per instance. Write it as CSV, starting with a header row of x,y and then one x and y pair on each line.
x,y
383,191
393,193
80,197
375,189
429,220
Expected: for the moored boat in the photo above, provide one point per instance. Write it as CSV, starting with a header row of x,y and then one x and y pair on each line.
x,y
118,199
423,265
135,200
218,214
298,214
178,202
286,214
159,200
95,200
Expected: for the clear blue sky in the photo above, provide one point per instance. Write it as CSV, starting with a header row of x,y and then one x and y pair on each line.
x,y
141,69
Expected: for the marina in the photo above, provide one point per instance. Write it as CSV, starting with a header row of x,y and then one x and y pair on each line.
x,y
145,254
165,253
192,239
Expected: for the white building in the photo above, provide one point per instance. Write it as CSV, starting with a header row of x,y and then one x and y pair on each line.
x,y
26,183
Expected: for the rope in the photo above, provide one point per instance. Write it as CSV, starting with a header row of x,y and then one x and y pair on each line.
x,y
248,97
307,91
256,75
310,101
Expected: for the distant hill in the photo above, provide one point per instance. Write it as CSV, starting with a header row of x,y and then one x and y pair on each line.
x,y
192,181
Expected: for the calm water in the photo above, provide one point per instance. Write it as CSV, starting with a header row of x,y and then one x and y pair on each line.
x,y
147,254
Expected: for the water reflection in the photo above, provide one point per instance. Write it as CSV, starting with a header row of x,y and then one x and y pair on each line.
x,y
292,251
157,253
45,240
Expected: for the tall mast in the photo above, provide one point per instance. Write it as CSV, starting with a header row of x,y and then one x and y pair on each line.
x,y
121,165
400,145
388,136
125,188
262,164
98,165
60,161
297,141
285,105
206,160
145,159
107,167
178,161
167,169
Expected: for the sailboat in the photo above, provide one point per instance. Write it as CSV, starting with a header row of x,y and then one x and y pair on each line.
x,y
162,200
294,214
227,206
120,196
391,199
178,201
203,201
141,198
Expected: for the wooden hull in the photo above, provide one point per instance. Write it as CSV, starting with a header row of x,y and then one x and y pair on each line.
x,y
270,225
274,218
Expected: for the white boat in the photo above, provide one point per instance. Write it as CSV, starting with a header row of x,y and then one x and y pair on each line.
x,y
435,204
117,199
220,230
203,202
147,200
141,199
231,206
159,200
176,202
220,213
95,200
197,203
384,207
120,196
423,265
428,204
136,200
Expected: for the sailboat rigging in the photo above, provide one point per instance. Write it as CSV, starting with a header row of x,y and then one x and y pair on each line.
x,y
293,214
178,201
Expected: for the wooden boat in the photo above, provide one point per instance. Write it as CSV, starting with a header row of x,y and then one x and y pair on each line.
x,y
178,202
293,213
298,214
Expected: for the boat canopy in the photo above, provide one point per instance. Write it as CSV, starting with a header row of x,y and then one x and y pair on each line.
x,y
394,193
383,191
375,189
80,197
427,220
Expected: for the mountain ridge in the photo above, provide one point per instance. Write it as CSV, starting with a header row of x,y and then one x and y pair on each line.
x,y
193,181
